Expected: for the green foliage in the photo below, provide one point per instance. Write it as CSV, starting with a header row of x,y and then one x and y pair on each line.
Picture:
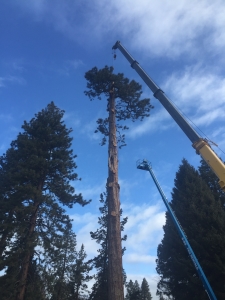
x,y
212,181
127,94
35,181
80,275
203,220
133,291
145,291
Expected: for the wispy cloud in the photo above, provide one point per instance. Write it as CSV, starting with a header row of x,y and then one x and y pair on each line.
x,y
184,27
197,92
200,92
144,230
14,65
143,221
180,29
89,191
218,136
158,121
72,119
137,258
6,118
83,225
11,79
70,66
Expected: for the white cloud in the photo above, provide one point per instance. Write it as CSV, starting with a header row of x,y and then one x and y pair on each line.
x,y
6,117
218,136
74,64
137,258
196,87
11,79
126,187
167,28
70,66
89,130
14,65
144,230
72,118
216,114
158,121
174,27
199,91
83,225
89,191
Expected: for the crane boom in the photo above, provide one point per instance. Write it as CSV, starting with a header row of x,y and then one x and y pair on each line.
x,y
201,145
145,165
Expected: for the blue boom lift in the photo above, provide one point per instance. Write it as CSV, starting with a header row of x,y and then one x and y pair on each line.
x,y
145,165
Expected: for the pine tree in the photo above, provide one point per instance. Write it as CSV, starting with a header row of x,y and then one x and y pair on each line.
x,y
100,262
133,290
36,171
203,220
80,275
145,291
128,106
212,181
59,259
161,297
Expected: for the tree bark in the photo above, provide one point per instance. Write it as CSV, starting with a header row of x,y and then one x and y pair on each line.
x,y
115,273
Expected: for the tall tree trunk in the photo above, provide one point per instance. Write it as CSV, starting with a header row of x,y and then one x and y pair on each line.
x,y
22,282
115,274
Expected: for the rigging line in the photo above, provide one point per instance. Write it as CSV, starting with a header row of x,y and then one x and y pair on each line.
x,y
221,150
195,125
113,57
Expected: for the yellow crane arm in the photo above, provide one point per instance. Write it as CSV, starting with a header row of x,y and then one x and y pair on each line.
x,y
203,148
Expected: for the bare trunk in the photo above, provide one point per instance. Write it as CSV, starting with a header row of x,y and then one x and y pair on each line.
x,y
115,274
28,252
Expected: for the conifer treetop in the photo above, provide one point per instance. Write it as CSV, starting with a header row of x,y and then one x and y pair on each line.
x,y
129,104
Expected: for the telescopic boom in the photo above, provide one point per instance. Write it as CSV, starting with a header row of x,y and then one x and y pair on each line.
x,y
201,145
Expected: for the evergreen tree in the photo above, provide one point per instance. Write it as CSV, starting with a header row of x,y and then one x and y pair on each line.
x,y
80,275
59,259
145,291
36,172
203,221
133,290
128,106
212,181
162,298
100,262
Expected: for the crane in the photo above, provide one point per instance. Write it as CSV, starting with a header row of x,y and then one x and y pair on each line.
x,y
200,144
145,165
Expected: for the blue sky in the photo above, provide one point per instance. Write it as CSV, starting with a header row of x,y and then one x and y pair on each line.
x,y
47,46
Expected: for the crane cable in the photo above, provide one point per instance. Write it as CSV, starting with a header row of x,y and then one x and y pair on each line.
x,y
113,57
208,139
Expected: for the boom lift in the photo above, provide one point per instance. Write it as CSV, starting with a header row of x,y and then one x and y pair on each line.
x,y
145,165
201,145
